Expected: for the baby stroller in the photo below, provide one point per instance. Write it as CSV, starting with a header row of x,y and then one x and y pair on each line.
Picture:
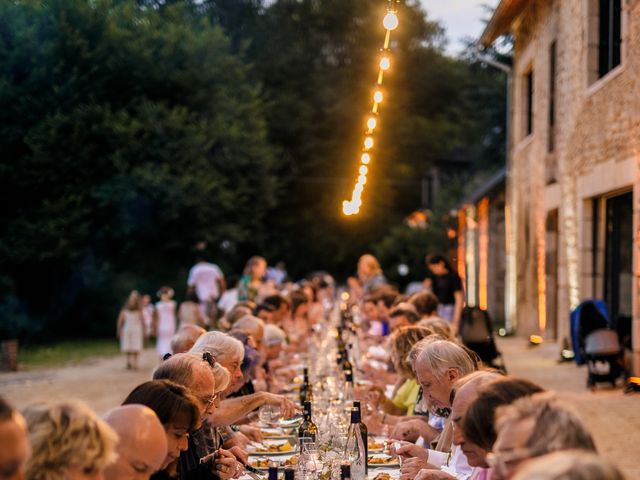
x,y
476,331
596,343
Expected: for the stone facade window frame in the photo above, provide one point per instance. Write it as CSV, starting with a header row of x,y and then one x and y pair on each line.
x,y
594,81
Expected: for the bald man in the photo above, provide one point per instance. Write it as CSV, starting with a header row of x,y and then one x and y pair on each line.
x,y
186,336
142,447
15,448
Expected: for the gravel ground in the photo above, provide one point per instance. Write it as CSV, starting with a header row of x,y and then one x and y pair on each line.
x,y
614,418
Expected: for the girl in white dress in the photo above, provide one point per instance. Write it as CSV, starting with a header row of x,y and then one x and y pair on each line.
x,y
131,329
165,321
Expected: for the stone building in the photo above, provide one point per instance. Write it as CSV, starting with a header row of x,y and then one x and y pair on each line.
x,y
573,187
481,254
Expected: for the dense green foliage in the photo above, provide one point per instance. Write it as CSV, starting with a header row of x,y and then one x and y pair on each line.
x,y
130,132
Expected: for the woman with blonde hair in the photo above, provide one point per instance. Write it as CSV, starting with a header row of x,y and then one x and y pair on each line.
x,y
370,273
69,442
405,398
131,329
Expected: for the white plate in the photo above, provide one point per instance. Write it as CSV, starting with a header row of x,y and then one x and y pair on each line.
x,y
379,440
393,464
272,458
272,442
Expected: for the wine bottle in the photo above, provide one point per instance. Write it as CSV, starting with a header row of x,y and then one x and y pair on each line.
x,y
273,471
364,432
349,389
289,473
307,428
304,388
345,471
354,449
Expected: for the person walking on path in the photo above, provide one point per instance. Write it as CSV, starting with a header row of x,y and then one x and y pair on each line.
x,y
130,328
165,321
208,281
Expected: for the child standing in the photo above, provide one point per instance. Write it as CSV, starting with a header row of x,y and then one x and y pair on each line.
x,y
131,330
165,321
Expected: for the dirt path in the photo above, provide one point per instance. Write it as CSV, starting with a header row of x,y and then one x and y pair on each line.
x,y
613,418
102,383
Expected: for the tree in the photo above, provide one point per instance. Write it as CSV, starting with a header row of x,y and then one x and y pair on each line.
x,y
137,135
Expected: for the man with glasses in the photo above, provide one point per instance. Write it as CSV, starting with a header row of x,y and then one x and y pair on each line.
x,y
532,427
198,462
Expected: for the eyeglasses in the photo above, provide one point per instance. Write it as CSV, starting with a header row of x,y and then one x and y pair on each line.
x,y
208,401
501,463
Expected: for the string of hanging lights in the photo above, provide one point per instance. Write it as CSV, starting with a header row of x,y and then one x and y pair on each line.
x,y
390,23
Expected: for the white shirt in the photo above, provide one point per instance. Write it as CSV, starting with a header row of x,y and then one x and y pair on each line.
x,y
204,277
228,299
457,466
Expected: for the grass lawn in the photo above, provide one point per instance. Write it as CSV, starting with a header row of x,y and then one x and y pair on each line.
x,y
65,352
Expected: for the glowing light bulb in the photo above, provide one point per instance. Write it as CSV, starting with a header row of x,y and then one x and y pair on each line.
x,y
363,170
385,64
362,180
368,143
390,21
371,123
377,96
365,158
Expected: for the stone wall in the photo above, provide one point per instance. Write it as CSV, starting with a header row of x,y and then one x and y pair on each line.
x,y
597,145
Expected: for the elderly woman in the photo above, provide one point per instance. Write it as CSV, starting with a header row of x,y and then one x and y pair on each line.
x,y
407,389
178,411
229,352
69,442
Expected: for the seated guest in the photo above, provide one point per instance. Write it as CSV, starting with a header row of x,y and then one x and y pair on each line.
x,y
178,411
407,389
264,312
69,442
275,340
252,326
229,352
297,325
438,366
142,444
478,425
456,465
532,427
185,337
250,365
281,309
569,465
15,446
236,313
196,373
426,304
402,315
